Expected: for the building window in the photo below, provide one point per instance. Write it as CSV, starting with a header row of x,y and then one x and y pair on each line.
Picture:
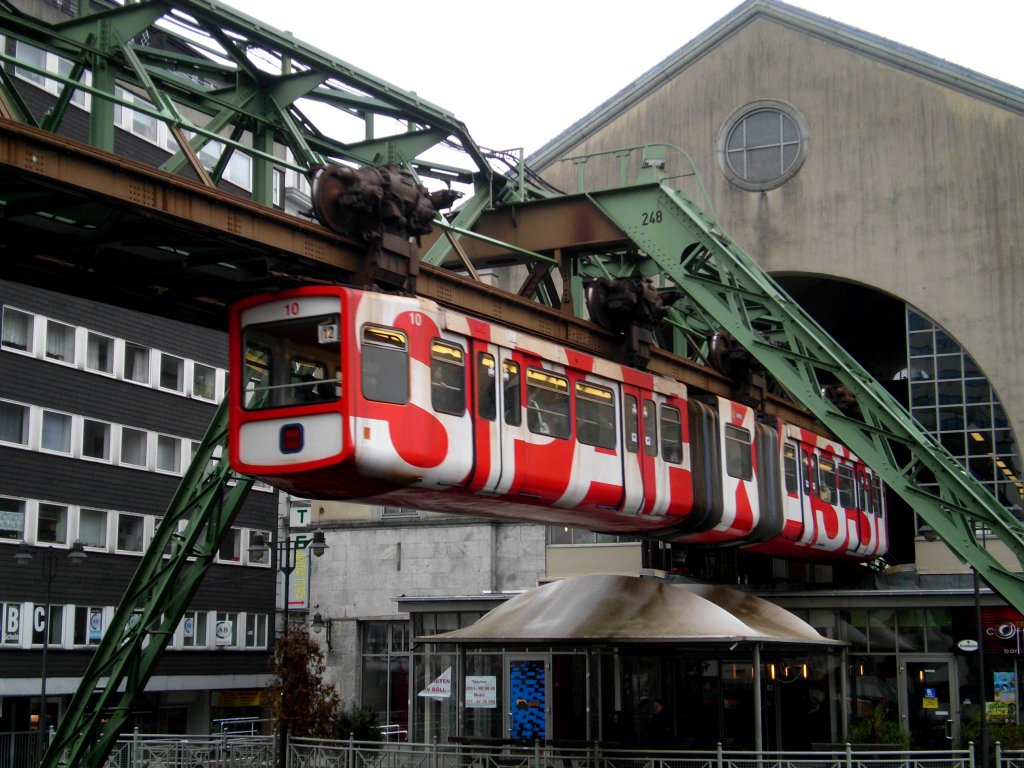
x,y
762,145
194,630
60,342
52,524
10,615
12,519
14,423
951,398
99,353
225,631
95,440
51,629
18,330
56,432
130,532
204,382
385,669
168,454
256,630
136,363
172,373
88,628
231,547
134,446
92,528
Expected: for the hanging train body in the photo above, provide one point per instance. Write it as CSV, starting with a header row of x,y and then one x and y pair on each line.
x,y
338,393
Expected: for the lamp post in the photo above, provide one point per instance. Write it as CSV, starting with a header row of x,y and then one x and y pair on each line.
x,y
286,551
50,560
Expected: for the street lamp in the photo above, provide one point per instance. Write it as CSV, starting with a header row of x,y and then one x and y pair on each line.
x,y
319,623
258,548
50,560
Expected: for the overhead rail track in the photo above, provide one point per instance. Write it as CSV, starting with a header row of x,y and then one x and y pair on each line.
x,y
180,240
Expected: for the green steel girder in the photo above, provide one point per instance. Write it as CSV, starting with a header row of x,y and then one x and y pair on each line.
x,y
204,505
725,289
204,82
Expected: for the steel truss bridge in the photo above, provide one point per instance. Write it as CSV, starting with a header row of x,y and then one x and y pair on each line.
x,y
177,239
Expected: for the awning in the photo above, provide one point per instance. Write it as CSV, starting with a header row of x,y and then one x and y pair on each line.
x,y
628,609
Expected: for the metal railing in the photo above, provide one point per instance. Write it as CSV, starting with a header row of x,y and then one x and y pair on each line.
x,y
226,750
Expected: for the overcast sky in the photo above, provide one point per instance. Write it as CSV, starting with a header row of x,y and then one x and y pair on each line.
x,y
518,73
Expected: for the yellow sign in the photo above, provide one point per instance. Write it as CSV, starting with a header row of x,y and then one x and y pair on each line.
x,y
927,703
243,698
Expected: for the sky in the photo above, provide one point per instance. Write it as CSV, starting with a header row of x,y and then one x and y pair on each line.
x,y
517,74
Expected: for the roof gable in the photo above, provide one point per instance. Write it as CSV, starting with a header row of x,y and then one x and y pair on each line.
x,y
903,57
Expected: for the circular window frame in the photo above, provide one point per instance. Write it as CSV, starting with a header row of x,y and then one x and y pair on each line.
x,y
738,116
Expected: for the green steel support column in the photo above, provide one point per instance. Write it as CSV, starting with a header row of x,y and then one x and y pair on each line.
x,y
725,289
153,604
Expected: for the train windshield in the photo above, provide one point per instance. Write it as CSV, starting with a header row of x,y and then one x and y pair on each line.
x,y
292,362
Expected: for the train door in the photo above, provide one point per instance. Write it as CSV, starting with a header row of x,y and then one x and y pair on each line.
x,y
639,452
795,503
484,403
848,506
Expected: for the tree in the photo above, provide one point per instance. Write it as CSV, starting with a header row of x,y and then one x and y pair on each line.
x,y
299,696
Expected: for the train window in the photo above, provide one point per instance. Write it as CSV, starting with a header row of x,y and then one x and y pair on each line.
x,y
447,378
486,394
547,403
385,362
650,429
595,415
513,403
789,467
808,474
876,496
671,435
631,421
827,480
737,452
257,375
847,494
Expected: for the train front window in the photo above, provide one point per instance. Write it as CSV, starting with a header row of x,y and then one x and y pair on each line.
x,y
385,362
293,362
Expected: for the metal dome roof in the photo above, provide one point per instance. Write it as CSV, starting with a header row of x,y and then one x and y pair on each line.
x,y
627,609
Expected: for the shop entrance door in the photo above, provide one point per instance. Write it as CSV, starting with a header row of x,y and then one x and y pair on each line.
x,y
527,700
929,711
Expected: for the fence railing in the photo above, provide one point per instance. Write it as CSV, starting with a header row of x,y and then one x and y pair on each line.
x,y
225,750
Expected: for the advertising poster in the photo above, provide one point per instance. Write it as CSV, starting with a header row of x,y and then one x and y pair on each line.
x,y
481,691
527,693
1004,684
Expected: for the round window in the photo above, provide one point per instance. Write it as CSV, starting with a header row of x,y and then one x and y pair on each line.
x,y
762,145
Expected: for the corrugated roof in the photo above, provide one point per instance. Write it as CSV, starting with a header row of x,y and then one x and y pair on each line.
x,y
628,609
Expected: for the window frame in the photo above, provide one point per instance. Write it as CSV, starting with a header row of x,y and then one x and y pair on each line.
x,y
387,356
738,119
447,377
556,387
602,419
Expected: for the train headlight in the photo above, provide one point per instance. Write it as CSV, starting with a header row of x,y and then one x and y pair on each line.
x,y
292,438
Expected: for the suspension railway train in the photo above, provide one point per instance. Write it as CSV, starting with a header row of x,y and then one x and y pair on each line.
x,y
339,393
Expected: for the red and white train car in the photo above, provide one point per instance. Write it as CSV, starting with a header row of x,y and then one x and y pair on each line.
x,y
338,393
